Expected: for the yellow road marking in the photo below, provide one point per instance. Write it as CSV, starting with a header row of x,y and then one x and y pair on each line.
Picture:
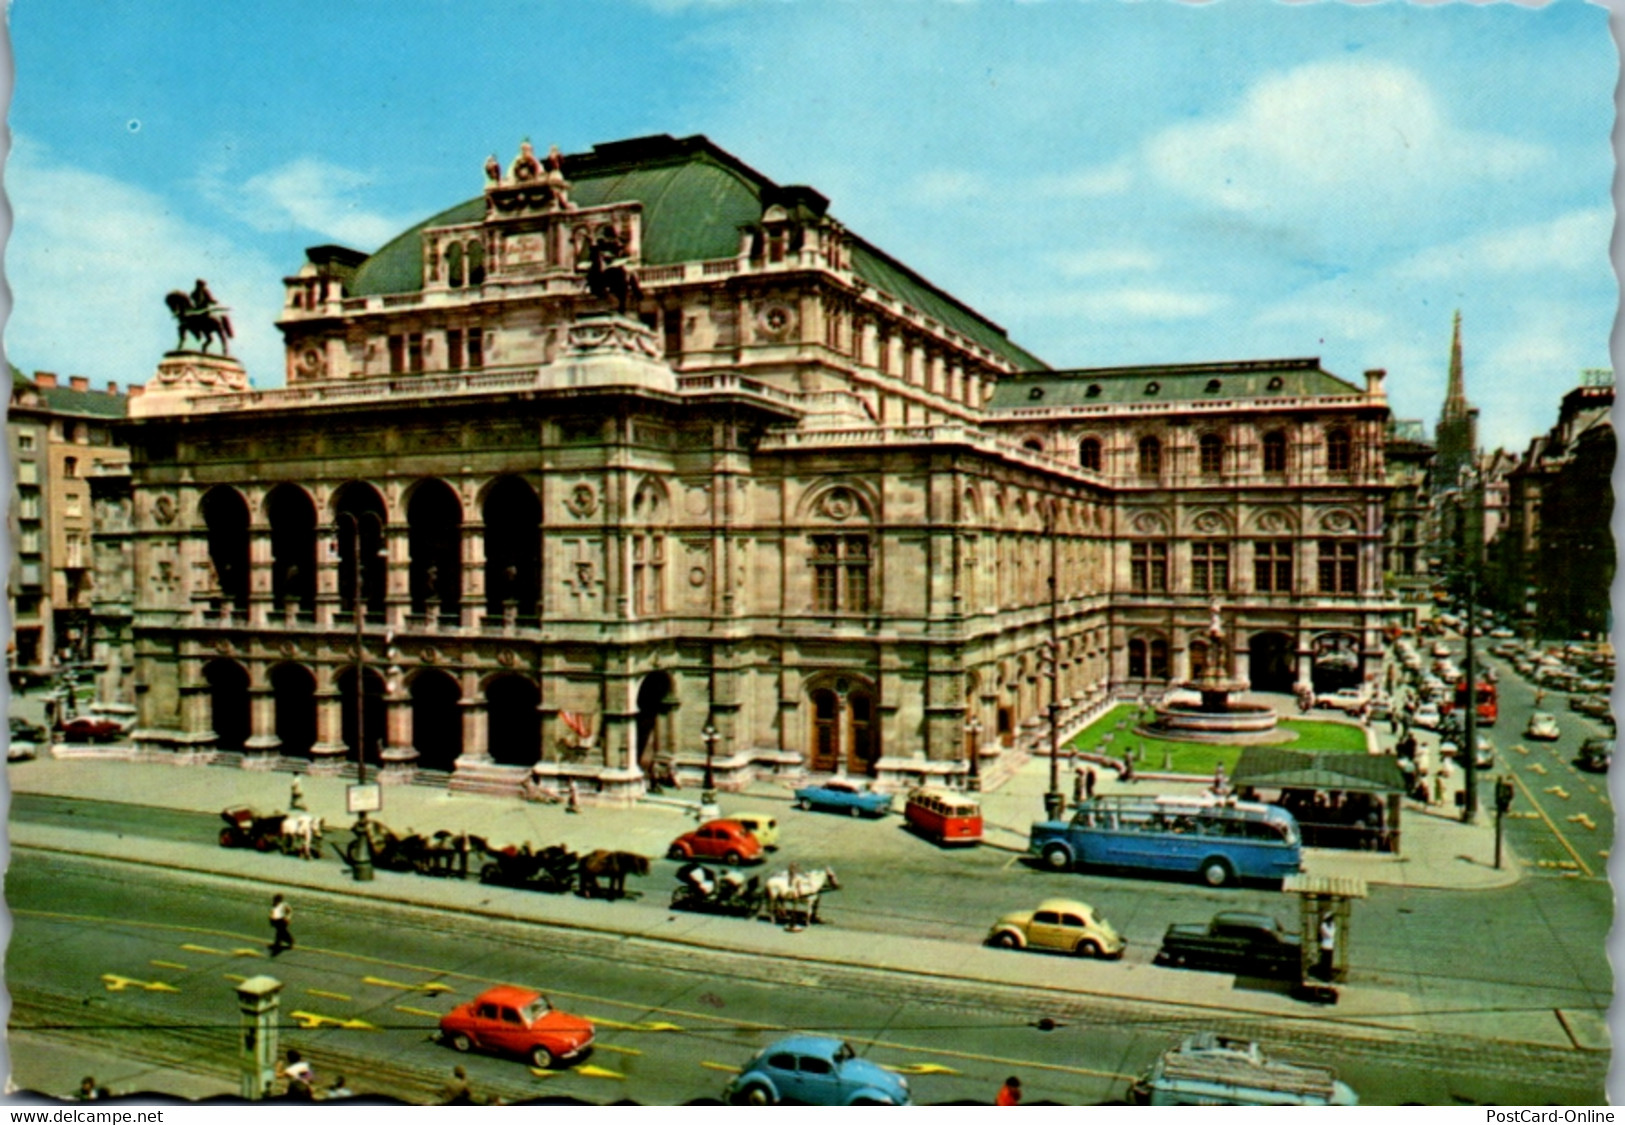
x,y
324,993
234,978
310,1021
615,1050
590,1071
190,948
167,965
248,952
116,983
1558,791
1536,767
540,1073
1562,839
429,986
1521,749
652,1025
416,1011
724,1067
922,1068
1011,862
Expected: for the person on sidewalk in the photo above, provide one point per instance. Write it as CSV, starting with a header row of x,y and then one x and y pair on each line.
x,y
574,805
1009,1093
296,797
281,923
1089,783
1328,947
300,1076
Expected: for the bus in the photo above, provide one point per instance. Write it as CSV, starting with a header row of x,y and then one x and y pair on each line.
x,y
1220,839
1484,697
945,817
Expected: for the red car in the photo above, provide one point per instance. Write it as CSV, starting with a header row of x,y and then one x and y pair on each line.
x,y
517,1021
727,840
91,728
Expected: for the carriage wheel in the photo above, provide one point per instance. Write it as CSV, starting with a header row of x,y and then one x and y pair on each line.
x,y
489,873
263,843
228,838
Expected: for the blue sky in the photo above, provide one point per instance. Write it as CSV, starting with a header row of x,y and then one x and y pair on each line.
x,y
1113,182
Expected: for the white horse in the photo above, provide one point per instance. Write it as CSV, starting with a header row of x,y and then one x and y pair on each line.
x,y
788,892
302,831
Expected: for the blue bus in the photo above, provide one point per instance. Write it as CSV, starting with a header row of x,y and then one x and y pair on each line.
x,y
1221,840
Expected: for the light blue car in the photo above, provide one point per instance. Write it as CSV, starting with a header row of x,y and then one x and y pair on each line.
x,y
843,796
815,1070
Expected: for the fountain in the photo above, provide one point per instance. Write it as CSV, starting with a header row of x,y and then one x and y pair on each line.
x,y
1217,717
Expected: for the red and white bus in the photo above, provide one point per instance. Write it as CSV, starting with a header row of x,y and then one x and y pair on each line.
x,y
944,817
1484,696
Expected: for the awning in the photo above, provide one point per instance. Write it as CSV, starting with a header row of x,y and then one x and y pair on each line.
x,y
1270,767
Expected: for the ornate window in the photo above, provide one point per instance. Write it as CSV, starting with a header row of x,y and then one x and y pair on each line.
x,y
454,265
1210,566
840,573
1211,451
454,349
1089,453
1148,567
476,347
1339,451
1275,452
1148,659
476,263
1272,566
1339,566
1150,457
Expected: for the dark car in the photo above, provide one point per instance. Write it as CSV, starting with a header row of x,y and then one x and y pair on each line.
x,y
1234,941
24,731
91,728
1596,755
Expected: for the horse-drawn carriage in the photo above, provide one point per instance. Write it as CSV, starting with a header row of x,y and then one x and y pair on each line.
x,y
727,891
291,834
551,870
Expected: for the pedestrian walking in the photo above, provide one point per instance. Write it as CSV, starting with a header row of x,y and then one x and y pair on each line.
x,y
1328,946
281,921
1009,1093
1089,783
1077,784
574,803
296,797
301,1078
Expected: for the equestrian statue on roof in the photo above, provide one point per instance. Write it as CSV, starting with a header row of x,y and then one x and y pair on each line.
x,y
200,316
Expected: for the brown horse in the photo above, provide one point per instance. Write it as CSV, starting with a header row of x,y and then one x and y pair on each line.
x,y
613,867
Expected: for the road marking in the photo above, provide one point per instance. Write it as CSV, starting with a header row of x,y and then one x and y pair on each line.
x,y
651,1025
615,1050
245,952
1583,820
190,948
590,1071
430,986
168,965
540,1073
1522,749
1536,767
724,1067
234,978
1562,839
324,993
116,983
1012,861
310,1021
922,1068
1558,791
411,1011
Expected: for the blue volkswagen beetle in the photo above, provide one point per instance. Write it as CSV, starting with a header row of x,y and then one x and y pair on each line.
x,y
842,796
815,1070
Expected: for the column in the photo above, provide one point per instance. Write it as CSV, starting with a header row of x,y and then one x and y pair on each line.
x,y
473,555
398,755
263,742
329,752
259,576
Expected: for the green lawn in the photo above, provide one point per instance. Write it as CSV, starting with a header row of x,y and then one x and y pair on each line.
x,y
1199,758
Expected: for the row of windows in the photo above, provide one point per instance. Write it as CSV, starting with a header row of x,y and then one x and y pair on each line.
x,y
465,349
1210,453
1338,569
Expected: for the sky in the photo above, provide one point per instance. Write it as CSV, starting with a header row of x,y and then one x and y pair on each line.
x,y
1112,182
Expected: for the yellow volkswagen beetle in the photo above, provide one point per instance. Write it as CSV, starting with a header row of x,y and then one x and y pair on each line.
x,y
1061,924
762,826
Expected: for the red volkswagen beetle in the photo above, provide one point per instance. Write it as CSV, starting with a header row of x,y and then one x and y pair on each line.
x,y
727,840
517,1021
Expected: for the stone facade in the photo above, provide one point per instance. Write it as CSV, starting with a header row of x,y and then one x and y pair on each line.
x,y
768,488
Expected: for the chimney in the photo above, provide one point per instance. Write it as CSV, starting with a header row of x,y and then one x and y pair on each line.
x,y
79,382
1373,382
112,387
136,390
45,378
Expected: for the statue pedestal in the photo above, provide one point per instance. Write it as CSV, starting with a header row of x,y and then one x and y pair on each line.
x,y
184,376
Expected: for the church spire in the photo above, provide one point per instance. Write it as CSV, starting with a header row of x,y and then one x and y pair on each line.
x,y
1456,437
1455,395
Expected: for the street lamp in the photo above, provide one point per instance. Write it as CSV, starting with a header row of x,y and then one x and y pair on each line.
x,y
973,751
362,865
708,795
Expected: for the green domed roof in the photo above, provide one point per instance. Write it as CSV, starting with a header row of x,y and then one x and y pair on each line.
x,y
695,198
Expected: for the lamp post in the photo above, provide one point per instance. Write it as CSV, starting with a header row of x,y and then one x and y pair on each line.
x,y
708,795
973,752
362,865
1475,531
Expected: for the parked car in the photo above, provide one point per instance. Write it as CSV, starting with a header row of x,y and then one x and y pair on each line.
x,y
520,1022
1234,941
815,1070
762,826
1597,706
1502,631
124,714
24,731
1543,725
1061,924
843,796
1427,716
727,840
1209,1069
1440,649
91,728
1347,700
1596,755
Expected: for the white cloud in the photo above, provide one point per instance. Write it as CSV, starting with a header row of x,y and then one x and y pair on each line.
x,y
1088,183
89,260
1575,242
1119,259
306,194
1128,304
1364,138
